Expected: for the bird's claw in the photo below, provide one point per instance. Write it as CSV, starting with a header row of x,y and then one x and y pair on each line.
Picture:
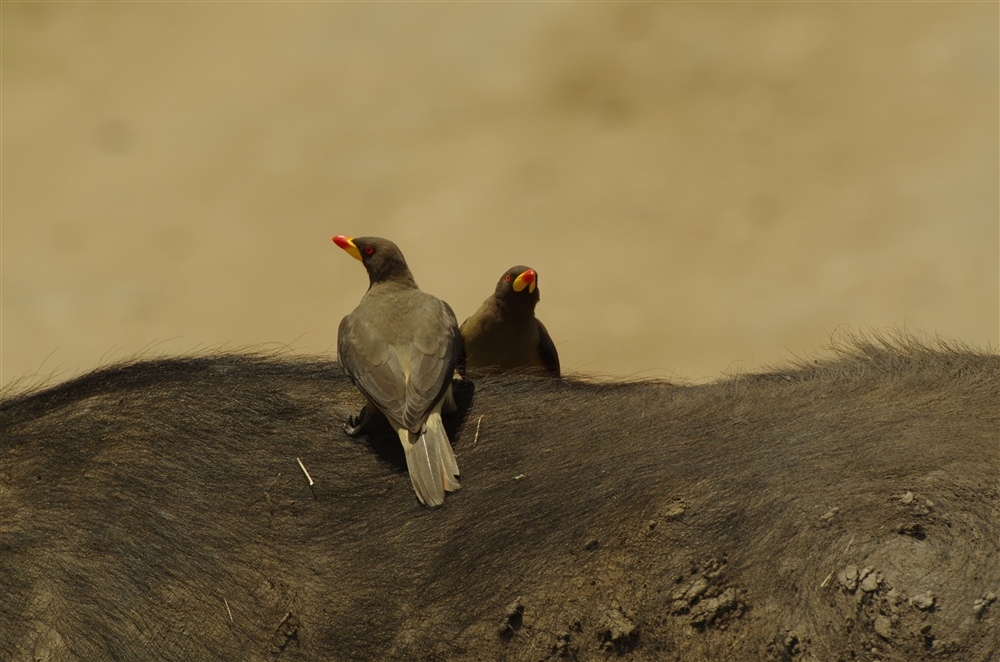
x,y
355,425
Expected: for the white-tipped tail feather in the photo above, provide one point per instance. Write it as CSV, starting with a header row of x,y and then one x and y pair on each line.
x,y
449,463
430,460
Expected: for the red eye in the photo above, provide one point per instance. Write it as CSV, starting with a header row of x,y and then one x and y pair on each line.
x,y
508,278
369,250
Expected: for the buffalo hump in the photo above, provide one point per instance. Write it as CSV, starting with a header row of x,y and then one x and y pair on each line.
x,y
840,509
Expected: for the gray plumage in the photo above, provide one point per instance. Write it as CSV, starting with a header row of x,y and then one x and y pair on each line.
x,y
400,347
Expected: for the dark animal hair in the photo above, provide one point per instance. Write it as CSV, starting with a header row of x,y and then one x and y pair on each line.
x,y
157,509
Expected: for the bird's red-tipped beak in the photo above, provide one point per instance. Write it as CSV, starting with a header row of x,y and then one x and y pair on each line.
x,y
527,279
347,244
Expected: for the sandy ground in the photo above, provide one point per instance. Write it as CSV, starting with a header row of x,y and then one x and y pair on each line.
x,y
702,188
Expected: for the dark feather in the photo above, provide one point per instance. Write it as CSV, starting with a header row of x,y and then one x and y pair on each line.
x,y
547,349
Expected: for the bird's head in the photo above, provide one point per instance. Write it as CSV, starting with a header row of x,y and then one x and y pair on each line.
x,y
518,286
381,258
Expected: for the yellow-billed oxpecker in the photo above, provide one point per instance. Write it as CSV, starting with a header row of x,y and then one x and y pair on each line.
x,y
400,347
504,333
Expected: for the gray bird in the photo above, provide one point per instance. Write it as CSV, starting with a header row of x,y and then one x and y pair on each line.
x,y
504,333
400,347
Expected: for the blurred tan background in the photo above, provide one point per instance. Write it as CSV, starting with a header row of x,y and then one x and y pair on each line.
x,y
702,188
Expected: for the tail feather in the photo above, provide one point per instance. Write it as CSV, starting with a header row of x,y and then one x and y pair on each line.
x,y
449,463
430,461
420,468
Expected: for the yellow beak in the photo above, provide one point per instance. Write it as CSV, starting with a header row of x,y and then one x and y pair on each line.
x,y
527,279
347,244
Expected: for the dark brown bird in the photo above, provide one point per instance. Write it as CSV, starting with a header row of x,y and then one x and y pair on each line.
x,y
400,347
504,333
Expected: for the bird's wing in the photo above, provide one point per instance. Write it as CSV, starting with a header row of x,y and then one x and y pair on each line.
x,y
547,350
373,365
463,350
462,362
433,353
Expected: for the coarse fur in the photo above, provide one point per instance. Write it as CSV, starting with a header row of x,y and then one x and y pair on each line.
x,y
845,508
